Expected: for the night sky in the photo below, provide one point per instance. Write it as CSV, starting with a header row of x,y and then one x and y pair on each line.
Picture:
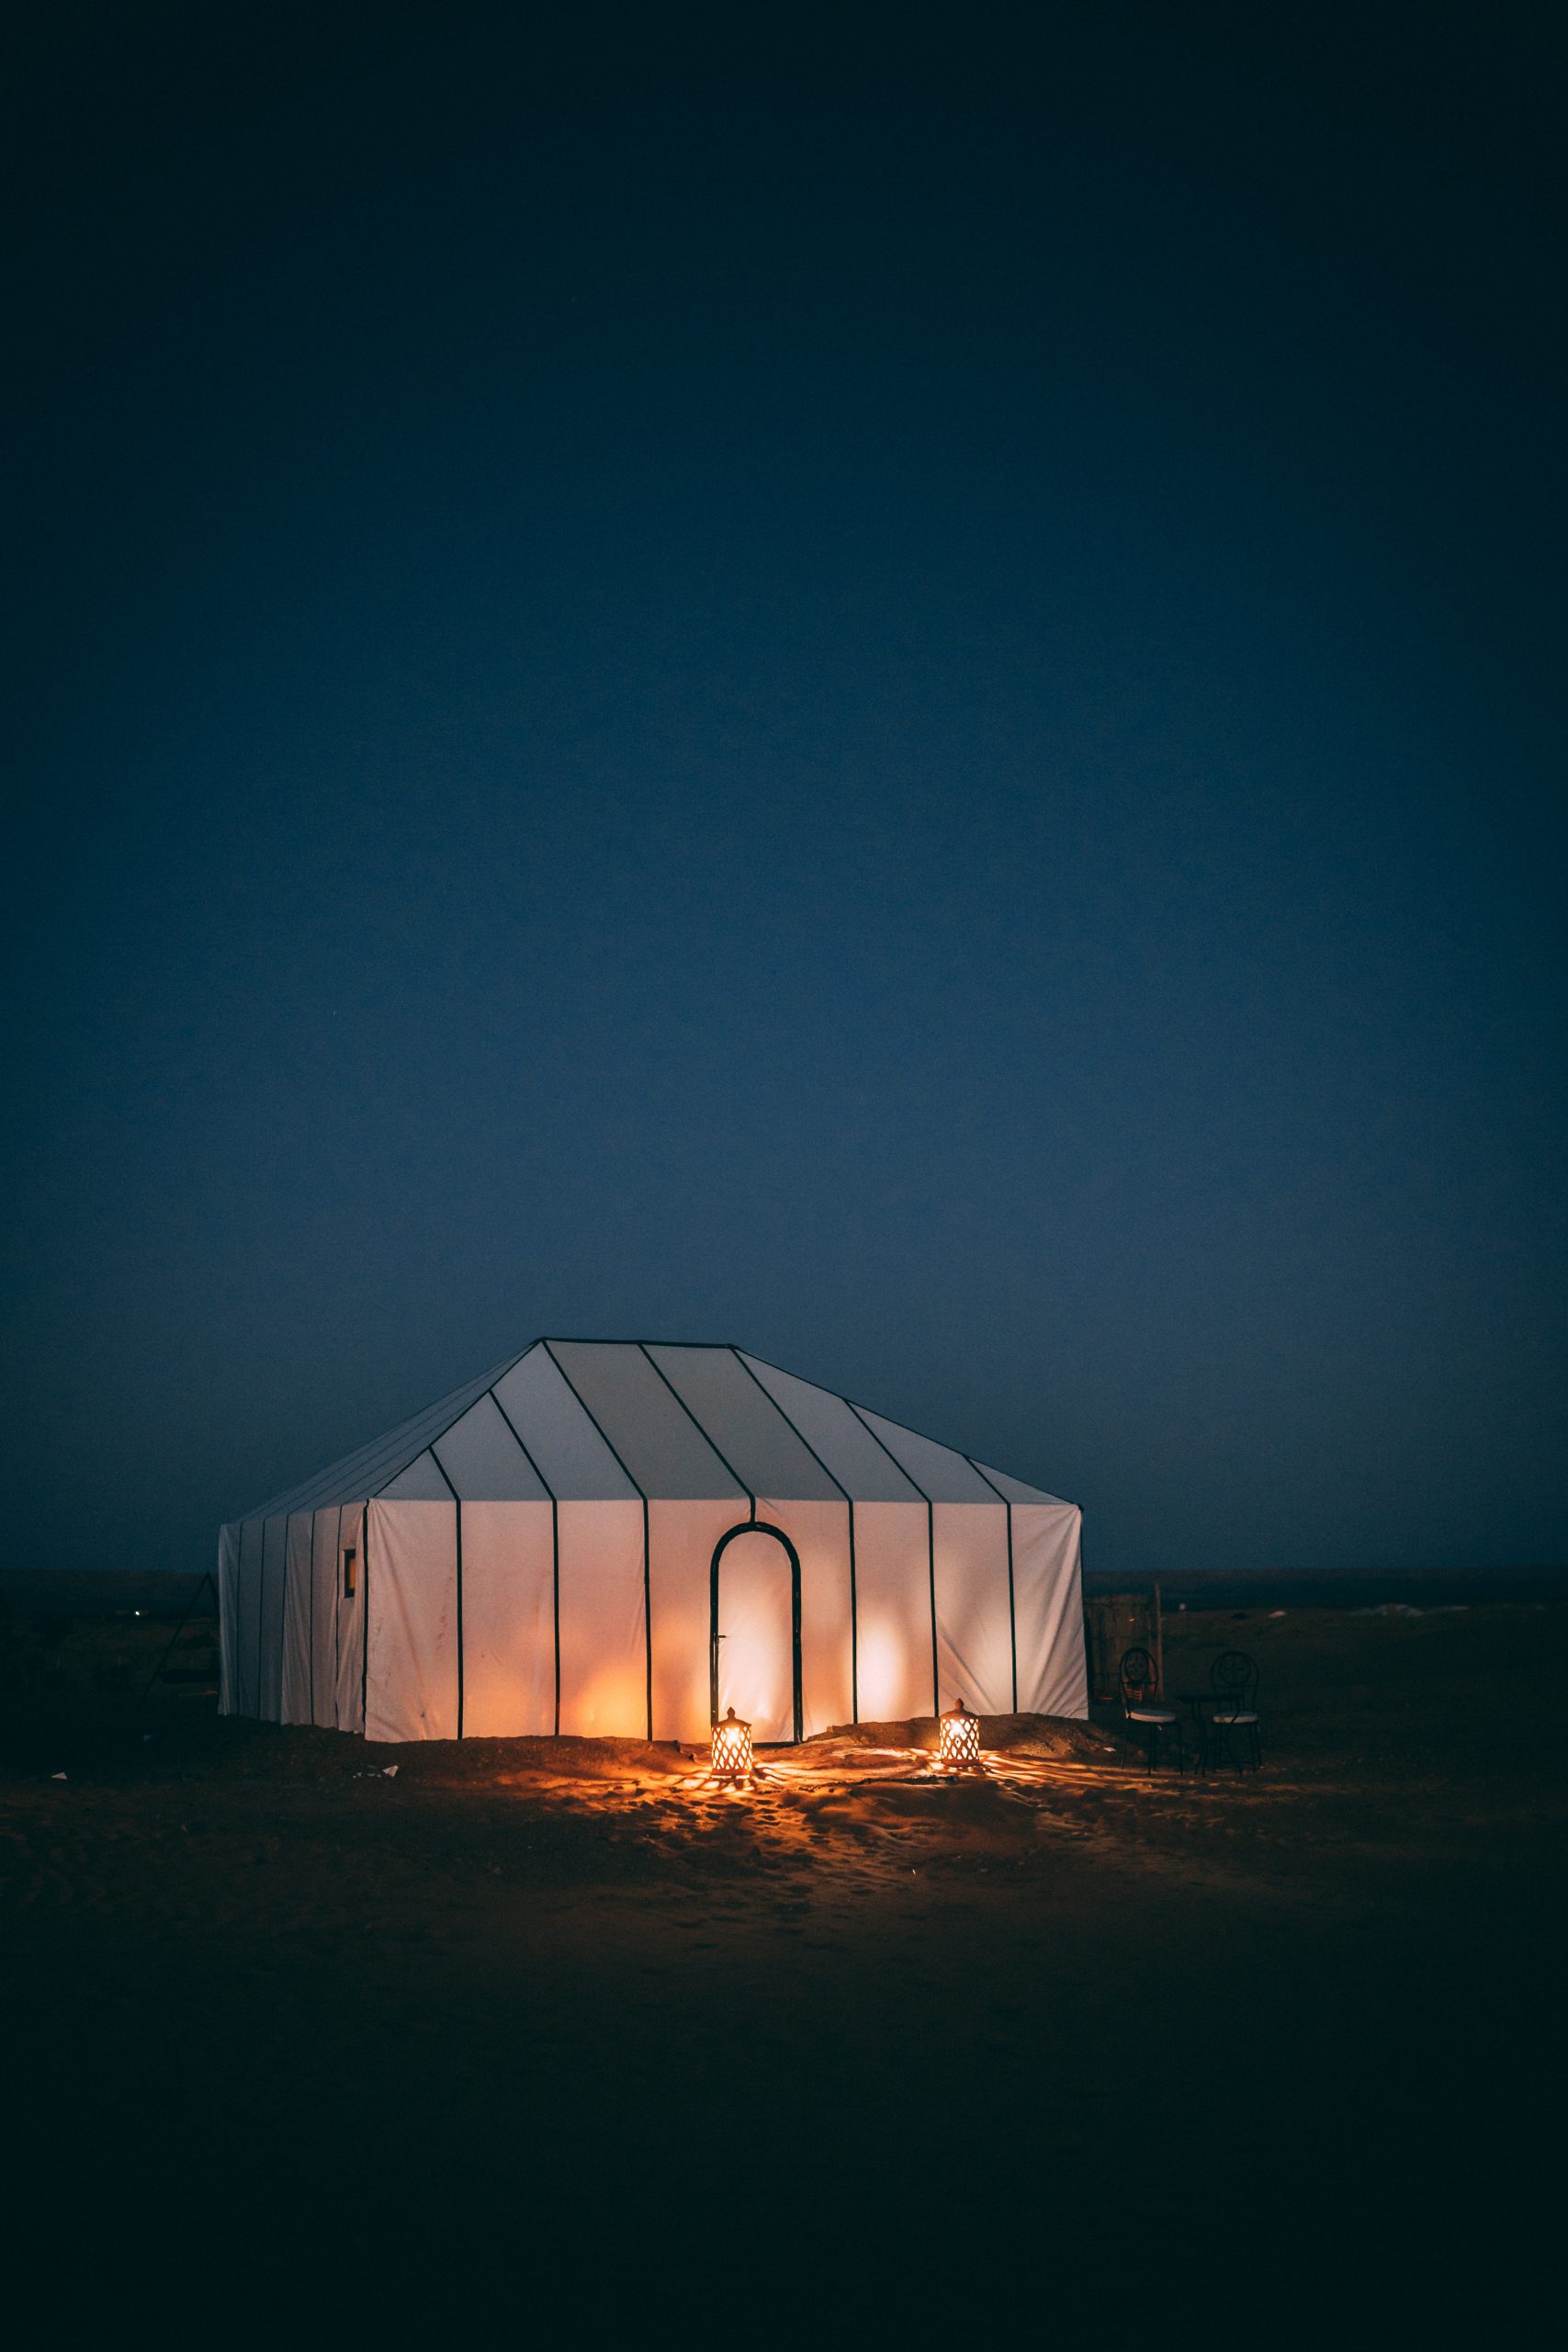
x,y
885,682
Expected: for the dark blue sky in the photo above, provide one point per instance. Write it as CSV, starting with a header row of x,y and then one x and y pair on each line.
x,y
882,681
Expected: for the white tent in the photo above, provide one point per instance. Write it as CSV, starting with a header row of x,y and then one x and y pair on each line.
x,y
620,1538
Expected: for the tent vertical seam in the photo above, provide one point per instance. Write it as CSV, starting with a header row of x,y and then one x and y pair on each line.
x,y
931,1543
1012,1613
647,1578
431,1443
310,1634
850,1502
337,1613
364,1625
261,1612
554,1532
283,1619
457,1507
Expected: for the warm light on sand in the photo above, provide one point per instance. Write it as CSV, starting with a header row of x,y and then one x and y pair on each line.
x,y
731,1748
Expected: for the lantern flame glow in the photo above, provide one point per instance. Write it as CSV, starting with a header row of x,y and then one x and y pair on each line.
x,y
958,1739
731,1748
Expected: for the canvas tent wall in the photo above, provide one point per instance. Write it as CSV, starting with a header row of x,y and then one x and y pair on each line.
x,y
614,1538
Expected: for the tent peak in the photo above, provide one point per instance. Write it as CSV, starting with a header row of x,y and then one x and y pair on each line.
x,y
589,1339
672,1419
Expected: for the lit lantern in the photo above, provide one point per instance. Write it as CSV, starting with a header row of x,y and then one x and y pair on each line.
x,y
958,1737
731,1748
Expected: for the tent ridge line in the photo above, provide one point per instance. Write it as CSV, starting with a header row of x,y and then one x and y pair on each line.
x,y
795,1430
297,1498
318,1492
577,1340
712,1442
517,1435
431,1443
367,1464
587,1408
871,1433
956,1451
839,1396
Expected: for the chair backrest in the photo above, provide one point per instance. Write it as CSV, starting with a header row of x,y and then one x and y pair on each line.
x,y
1233,1676
1135,1676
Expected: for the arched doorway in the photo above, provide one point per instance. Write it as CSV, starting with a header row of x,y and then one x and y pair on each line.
x,y
754,1630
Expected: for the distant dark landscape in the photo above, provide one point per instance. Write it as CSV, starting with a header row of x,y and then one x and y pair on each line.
x,y
167,1593
1341,1588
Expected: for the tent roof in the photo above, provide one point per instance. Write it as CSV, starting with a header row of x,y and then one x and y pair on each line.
x,y
594,1420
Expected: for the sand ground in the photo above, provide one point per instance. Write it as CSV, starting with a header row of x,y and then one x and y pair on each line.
x,y
535,2036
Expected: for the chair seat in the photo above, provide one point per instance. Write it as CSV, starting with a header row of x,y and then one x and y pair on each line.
x,y
1243,1717
1150,1715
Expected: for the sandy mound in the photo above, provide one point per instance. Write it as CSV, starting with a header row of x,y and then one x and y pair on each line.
x,y
1056,1735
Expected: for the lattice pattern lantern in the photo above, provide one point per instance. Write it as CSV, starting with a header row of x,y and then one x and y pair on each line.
x,y
731,1748
958,1736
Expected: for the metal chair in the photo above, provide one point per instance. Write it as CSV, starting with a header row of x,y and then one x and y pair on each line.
x,y
1143,1717
1232,1732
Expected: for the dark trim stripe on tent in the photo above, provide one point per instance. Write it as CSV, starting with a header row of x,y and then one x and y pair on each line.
x,y
1012,1613
930,1543
458,1505
849,1503
365,1622
555,1524
706,1435
350,1476
647,1570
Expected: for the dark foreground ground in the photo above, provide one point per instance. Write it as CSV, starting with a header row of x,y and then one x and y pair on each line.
x,y
535,2040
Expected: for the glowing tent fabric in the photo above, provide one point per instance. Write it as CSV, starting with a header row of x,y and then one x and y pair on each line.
x,y
614,1538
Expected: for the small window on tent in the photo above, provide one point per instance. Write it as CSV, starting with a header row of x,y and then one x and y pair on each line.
x,y
350,1572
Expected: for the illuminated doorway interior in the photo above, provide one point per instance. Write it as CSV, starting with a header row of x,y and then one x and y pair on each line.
x,y
755,1630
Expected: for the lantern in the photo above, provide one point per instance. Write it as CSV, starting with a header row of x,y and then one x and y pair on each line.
x,y
731,1748
958,1739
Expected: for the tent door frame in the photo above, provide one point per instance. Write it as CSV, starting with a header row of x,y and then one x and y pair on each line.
x,y
755,1527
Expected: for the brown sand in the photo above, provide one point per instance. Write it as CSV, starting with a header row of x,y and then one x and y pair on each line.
x,y
530,2019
